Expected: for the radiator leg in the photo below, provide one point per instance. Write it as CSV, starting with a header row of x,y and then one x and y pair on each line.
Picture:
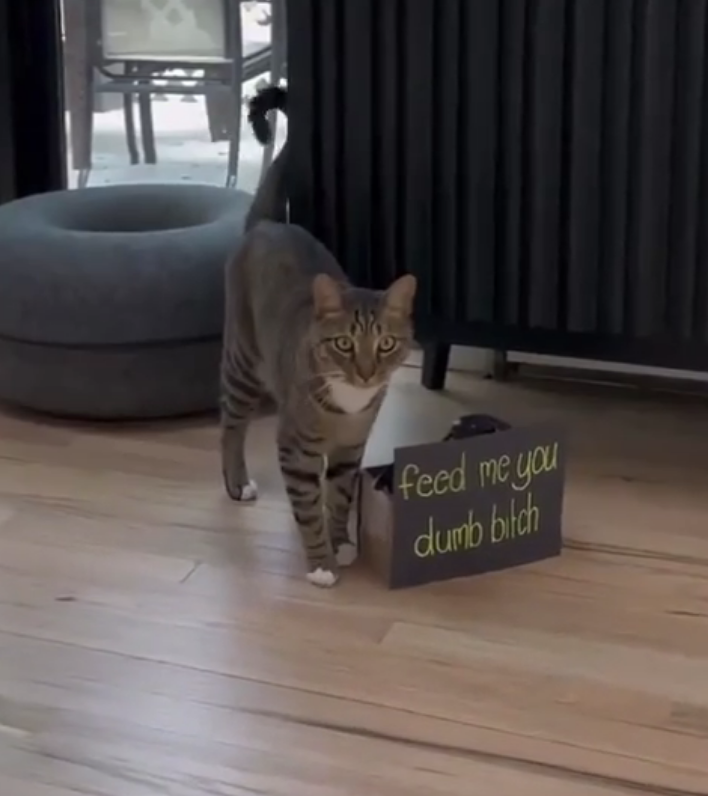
x,y
502,369
435,360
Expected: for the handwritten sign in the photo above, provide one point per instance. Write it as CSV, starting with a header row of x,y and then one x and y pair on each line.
x,y
464,507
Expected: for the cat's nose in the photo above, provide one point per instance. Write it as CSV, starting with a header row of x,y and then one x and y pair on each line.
x,y
366,372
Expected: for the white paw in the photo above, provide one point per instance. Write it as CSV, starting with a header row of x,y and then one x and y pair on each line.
x,y
249,492
322,577
347,554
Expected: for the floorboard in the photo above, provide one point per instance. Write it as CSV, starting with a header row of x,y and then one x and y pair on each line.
x,y
156,638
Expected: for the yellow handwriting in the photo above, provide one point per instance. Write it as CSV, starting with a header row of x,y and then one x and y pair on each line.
x,y
427,485
517,521
494,471
532,463
434,541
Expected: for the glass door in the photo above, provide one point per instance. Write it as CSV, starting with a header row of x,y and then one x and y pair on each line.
x,y
155,89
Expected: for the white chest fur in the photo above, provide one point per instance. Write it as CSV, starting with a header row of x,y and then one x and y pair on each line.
x,y
351,399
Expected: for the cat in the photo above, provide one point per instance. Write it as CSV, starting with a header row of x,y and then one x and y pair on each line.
x,y
298,330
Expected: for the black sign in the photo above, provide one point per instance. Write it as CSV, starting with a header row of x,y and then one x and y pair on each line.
x,y
468,506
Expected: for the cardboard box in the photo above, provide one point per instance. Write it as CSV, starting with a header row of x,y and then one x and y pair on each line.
x,y
486,498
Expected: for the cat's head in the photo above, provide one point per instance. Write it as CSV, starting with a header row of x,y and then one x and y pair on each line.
x,y
362,336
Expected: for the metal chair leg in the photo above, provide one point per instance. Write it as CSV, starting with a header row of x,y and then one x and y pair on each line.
x,y
236,100
83,178
219,108
235,138
146,127
130,132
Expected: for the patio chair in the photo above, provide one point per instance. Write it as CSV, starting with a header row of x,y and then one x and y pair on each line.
x,y
111,46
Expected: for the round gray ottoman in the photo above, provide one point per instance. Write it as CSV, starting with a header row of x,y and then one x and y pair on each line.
x,y
111,299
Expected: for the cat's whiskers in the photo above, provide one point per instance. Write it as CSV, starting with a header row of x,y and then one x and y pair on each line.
x,y
319,384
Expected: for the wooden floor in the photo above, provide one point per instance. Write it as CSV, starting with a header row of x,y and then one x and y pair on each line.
x,y
157,639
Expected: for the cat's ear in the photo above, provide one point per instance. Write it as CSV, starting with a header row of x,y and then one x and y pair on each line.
x,y
327,295
401,294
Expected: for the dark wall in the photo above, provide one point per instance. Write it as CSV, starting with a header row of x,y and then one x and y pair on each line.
x,y
541,165
7,174
31,106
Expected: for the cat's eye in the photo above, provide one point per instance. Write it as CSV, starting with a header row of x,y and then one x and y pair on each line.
x,y
343,344
386,344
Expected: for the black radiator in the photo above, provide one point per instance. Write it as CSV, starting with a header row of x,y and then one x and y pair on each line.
x,y
540,165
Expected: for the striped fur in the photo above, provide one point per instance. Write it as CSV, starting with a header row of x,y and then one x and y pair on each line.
x,y
298,331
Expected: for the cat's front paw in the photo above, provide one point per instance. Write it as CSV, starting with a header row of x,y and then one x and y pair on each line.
x,y
243,493
324,578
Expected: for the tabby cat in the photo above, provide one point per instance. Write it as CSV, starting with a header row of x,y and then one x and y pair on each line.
x,y
297,330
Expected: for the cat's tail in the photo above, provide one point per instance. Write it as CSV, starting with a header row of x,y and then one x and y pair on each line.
x,y
270,98
270,201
